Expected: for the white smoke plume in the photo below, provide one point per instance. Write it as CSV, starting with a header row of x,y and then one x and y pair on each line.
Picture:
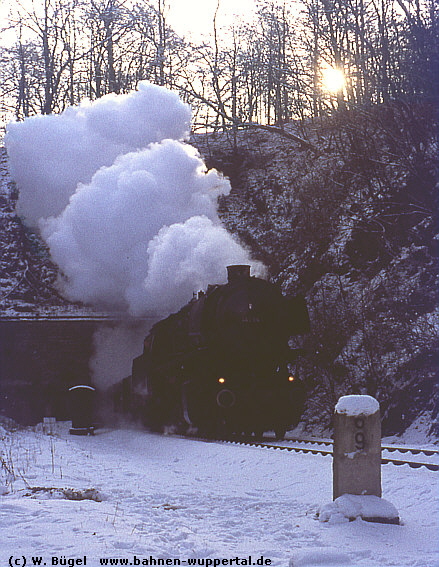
x,y
138,236
128,210
50,155
115,346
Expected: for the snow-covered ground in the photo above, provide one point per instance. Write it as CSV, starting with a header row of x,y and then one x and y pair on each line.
x,y
150,497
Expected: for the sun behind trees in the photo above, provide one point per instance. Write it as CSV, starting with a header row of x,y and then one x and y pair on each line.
x,y
264,69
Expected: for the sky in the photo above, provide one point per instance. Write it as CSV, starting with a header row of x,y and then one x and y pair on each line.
x,y
195,17
189,18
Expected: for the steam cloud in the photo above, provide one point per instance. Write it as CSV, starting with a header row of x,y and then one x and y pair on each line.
x,y
127,209
115,347
50,155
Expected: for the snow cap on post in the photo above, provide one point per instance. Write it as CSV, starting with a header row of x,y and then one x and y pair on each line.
x,y
355,405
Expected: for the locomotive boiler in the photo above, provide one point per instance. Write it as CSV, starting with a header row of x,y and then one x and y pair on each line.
x,y
222,364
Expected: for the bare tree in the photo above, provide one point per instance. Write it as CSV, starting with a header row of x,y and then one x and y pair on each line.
x,y
47,58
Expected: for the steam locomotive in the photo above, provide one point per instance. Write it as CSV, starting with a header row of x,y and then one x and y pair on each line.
x,y
222,364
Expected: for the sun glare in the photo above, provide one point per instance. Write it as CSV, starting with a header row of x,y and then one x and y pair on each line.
x,y
333,80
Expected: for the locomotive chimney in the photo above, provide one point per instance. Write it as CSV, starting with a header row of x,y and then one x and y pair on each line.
x,y
238,272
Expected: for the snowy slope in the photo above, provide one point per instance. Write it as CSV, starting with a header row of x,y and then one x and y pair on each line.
x,y
166,497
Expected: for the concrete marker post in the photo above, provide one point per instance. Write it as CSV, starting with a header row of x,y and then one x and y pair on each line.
x,y
357,447
357,458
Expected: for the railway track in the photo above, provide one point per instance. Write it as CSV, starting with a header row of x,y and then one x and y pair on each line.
x,y
389,448
324,447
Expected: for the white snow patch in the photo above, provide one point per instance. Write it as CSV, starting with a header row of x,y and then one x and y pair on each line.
x,y
417,434
351,506
320,557
354,405
167,497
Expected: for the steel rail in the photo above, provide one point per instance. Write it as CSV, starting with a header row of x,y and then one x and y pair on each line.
x,y
390,448
325,452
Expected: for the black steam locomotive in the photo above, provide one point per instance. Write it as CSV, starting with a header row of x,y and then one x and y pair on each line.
x,y
222,364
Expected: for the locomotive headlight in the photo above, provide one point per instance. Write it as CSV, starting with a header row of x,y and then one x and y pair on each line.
x,y
221,380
